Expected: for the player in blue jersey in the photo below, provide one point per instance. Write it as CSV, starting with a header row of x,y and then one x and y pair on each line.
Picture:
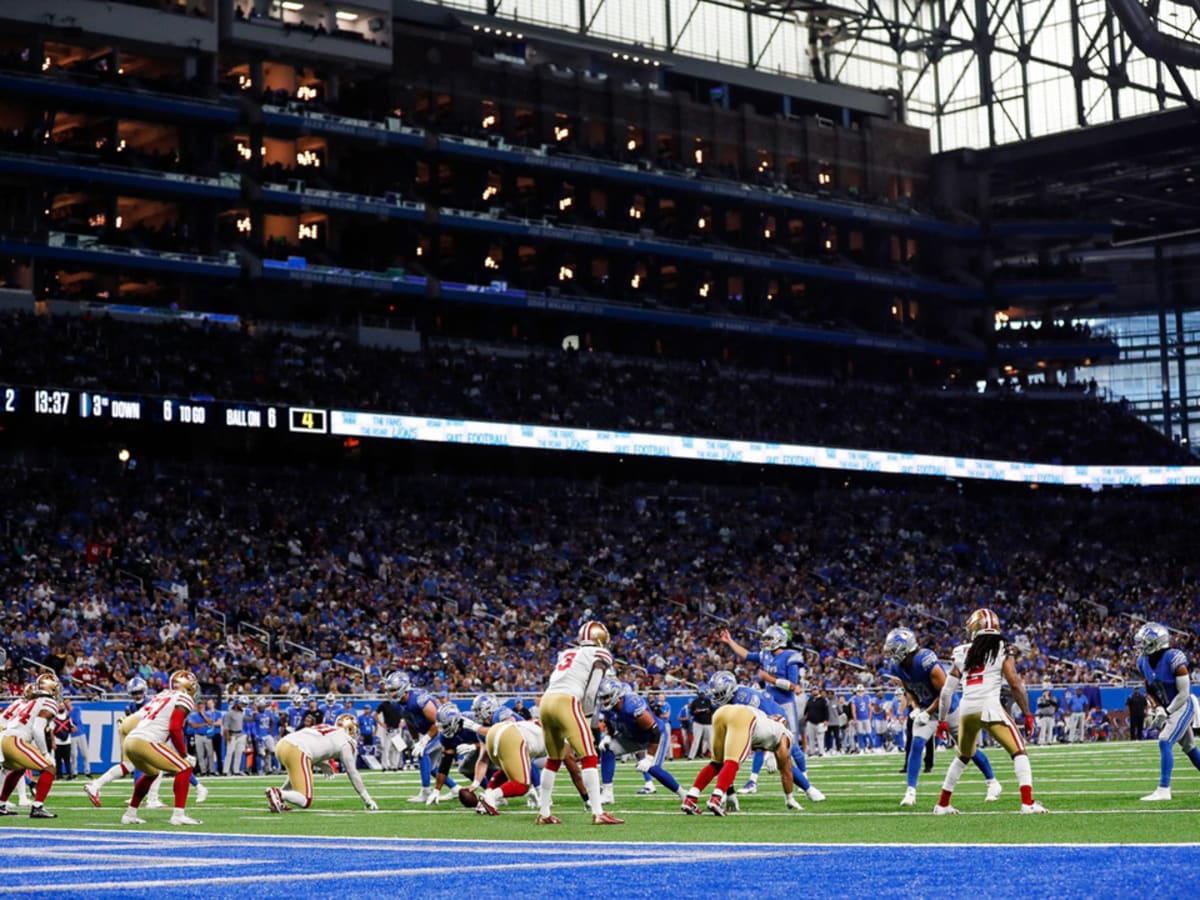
x,y
418,708
860,707
632,727
724,689
782,670
923,677
1168,685
297,710
266,733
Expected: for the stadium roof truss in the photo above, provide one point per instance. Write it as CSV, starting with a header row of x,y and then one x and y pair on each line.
x,y
977,73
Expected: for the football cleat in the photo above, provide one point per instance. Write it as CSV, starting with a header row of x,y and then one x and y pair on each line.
x,y
607,819
814,795
132,818
548,820
487,804
690,806
93,792
275,799
6,810
940,810
750,787
715,806
154,802
421,796
40,812
644,791
1159,794
179,817
910,797
994,790
1033,807
201,793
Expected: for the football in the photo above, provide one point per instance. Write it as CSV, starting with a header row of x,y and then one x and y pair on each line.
x,y
467,798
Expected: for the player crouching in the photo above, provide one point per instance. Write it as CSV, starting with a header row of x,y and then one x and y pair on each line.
x,y
156,746
316,744
23,743
737,732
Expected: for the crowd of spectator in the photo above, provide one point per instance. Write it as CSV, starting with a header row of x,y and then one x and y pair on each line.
x,y
571,389
262,580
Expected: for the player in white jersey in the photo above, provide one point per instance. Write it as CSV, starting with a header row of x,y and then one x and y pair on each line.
x,y
513,745
565,710
982,665
23,744
156,746
316,744
738,731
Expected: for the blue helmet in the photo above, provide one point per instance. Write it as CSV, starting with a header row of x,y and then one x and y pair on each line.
x,y
1151,638
899,643
397,683
449,719
722,686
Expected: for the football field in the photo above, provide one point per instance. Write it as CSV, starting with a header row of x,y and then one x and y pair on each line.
x,y
829,849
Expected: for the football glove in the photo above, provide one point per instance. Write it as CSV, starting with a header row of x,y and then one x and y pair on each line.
x,y
418,749
919,717
1029,729
190,760
793,803
434,798
645,764
604,743
943,732
370,804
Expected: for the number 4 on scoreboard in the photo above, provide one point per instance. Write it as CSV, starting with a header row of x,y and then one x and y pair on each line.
x,y
310,421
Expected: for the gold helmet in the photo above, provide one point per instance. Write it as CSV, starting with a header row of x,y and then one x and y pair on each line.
x,y
593,632
47,685
184,681
348,724
27,693
982,621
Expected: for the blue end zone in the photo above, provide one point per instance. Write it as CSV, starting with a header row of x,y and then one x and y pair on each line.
x,y
89,864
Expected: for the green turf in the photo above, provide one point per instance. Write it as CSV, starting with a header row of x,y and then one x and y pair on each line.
x,y
1092,791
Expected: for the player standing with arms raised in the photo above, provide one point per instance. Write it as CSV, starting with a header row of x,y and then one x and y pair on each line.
x,y
566,710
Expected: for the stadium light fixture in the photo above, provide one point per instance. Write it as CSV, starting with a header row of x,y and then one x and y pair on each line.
x,y
123,455
344,16
292,6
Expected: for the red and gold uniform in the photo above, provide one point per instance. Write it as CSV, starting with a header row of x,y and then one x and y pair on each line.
x,y
300,750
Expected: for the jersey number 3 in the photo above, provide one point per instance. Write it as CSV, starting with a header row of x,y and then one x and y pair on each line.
x,y
567,659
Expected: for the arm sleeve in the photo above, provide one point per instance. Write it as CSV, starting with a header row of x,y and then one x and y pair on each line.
x,y
347,758
947,696
178,715
1183,691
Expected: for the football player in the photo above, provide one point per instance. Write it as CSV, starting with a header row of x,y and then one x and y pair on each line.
x,y
737,731
156,746
782,669
632,728
266,732
981,664
1168,686
419,711
724,689
514,744
316,744
23,744
566,708
923,678
22,790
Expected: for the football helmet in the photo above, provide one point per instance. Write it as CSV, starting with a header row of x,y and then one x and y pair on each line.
x,y
722,686
331,698
244,700
773,639
185,681
593,633
610,692
348,724
982,621
136,688
1150,638
47,685
899,643
262,702
397,684
449,719
483,707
